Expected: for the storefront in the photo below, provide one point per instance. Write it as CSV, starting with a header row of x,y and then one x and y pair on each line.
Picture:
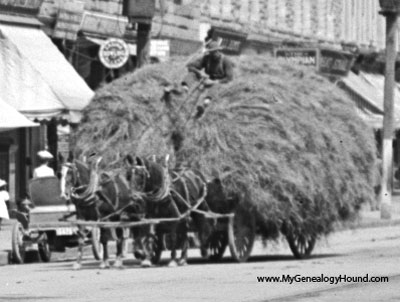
x,y
367,91
39,83
12,127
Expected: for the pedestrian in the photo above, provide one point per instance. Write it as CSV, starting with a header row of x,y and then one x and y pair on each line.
x,y
4,201
43,170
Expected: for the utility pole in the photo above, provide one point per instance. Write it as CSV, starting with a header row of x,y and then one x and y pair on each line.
x,y
141,12
390,10
143,44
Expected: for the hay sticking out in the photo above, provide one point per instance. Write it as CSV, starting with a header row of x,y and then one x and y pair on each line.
x,y
284,138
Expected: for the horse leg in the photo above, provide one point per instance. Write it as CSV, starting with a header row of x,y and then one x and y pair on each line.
x,y
204,235
120,245
138,249
185,244
81,241
147,246
104,241
174,241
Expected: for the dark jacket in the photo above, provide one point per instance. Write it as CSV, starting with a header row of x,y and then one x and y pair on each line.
x,y
220,69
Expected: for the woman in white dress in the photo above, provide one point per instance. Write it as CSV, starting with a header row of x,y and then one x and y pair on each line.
x,y
4,199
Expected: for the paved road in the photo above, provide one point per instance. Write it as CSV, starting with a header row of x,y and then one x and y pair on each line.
x,y
356,253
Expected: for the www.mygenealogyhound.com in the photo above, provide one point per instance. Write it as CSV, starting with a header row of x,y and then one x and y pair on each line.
x,y
322,278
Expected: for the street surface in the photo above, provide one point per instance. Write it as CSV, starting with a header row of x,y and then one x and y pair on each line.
x,y
373,251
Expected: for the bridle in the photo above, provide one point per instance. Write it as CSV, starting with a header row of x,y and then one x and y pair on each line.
x,y
139,190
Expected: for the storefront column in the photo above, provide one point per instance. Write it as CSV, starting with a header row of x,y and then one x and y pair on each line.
x,y
12,184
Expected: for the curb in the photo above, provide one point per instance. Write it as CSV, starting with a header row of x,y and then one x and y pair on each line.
x,y
376,223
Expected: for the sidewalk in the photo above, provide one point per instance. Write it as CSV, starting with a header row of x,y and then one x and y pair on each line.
x,y
368,219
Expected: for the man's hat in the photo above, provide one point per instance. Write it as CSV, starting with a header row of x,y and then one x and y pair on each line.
x,y
45,154
213,46
2,182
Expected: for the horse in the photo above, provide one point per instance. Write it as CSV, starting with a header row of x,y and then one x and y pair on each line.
x,y
169,194
100,197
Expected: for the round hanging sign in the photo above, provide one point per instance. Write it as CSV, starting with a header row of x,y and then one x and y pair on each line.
x,y
114,53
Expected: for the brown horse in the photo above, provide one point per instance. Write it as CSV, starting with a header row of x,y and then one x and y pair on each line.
x,y
99,197
172,195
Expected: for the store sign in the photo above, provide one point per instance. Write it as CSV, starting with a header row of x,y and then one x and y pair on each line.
x,y
158,48
29,7
335,62
231,41
114,53
298,56
328,61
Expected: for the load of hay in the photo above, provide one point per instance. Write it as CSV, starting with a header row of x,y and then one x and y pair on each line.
x,y
285,139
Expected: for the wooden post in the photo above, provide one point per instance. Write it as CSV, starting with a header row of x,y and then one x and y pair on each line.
x,y
387,143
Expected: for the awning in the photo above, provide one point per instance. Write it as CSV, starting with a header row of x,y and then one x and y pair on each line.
x,y
10,118
367,90
37,80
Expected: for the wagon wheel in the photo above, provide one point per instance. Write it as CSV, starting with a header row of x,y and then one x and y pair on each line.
x,y
301,245
152,245
217,245
17,243
44,248
241,234
97,247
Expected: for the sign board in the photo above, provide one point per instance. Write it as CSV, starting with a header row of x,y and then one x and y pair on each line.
x,y
114,53
69,20
26,7
232,41
104,25
158,48
327,61
298,56
335,62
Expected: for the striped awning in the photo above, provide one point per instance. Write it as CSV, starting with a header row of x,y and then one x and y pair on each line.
x,y
10,118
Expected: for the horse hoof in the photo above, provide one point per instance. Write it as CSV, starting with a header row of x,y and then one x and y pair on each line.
x,y
172,263
145,263
118,264
104,265
77,266
182,262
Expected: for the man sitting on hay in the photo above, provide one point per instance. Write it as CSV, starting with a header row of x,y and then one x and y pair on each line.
x,y
218,68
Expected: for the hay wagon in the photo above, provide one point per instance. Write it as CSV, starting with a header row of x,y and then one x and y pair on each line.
x,y
236,229
46,226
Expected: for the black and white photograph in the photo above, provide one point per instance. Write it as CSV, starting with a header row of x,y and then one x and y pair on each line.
x,y
199,150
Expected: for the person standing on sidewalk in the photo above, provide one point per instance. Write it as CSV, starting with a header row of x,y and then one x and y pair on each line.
x,y
4,201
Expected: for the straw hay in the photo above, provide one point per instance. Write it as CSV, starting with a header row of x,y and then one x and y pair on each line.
x,y
282,136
